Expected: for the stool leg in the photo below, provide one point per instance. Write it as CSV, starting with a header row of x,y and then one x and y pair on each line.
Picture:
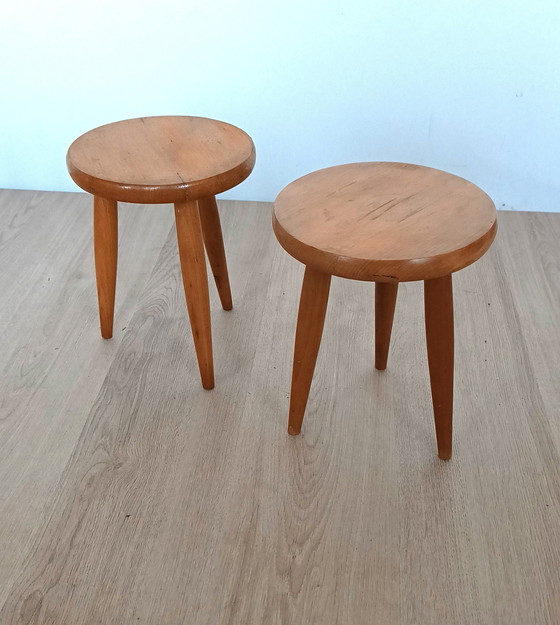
x,y
195,283
311,318
438,301
105,247
385,301
212,232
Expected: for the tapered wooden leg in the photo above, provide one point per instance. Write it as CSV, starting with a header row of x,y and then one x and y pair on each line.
x,y
105,246
385,301
311,318
195,283
212,232
438,301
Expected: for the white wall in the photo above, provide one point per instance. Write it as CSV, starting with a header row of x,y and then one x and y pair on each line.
x,y
470,87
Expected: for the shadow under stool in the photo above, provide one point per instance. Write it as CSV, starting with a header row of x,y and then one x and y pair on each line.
x,y
186,161
385,223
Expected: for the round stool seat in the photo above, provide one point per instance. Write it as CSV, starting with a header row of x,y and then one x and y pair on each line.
x,y
384,222
155,160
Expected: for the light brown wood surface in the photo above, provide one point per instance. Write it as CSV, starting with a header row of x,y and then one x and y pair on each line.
x,y
385,302
162,159
105,247
440,341
390,222
214,244
195,283
130,495
311,318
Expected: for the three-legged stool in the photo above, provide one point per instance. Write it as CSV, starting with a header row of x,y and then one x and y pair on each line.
x,y
155,160
385,223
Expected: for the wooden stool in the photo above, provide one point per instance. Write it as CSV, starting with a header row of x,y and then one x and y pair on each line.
x,y
385,223
154,160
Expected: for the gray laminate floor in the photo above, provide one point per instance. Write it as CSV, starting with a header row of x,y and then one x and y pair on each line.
x,y
129,495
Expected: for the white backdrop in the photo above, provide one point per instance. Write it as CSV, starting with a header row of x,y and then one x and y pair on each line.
x,y
469,87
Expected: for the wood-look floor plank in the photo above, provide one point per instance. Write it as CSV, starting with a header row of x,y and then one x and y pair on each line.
x,y
52,360
30,223
179,505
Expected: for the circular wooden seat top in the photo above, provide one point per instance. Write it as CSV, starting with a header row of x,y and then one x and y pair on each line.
x,y
384,222
155,160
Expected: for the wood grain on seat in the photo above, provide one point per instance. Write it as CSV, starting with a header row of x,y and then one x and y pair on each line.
x,y
389,222
156,160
